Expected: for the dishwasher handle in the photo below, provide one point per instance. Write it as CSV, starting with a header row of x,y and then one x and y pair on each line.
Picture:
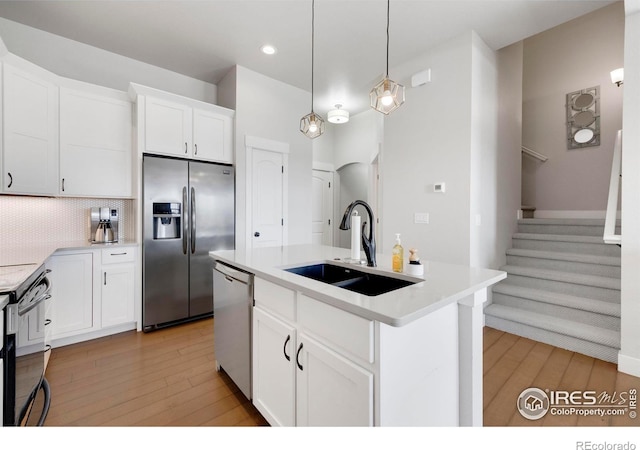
x,y
233,274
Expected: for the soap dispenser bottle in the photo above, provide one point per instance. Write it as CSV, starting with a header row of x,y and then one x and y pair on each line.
x,y
397,261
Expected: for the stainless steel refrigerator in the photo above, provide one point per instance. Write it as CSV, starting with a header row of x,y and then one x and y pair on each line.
x,y
188,210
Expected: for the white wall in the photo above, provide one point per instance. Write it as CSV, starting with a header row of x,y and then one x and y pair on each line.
x,y
629,357
427,141
72,59
484,175
573,56
267,108
359,139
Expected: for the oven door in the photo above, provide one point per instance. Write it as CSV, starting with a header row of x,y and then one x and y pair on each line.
x,y
30,347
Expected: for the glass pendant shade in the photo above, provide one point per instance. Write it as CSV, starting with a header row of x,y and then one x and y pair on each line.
x,y
387,96
312,125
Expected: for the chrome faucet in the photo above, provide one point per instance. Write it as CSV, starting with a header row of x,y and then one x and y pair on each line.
x,y
368,243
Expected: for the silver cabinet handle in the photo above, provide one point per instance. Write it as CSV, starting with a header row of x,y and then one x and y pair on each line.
x,y
105,278
185,148
10,179
195,149
63,185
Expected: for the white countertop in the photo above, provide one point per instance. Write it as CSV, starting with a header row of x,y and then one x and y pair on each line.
x,y
16,261
441,284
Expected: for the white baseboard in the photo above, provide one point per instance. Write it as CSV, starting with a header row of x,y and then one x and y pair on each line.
x,y
629,364
570,214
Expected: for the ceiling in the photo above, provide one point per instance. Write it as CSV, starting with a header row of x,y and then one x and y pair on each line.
x,y
204,39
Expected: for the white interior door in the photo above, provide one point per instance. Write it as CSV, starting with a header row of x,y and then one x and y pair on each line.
x,y
322,208
267,224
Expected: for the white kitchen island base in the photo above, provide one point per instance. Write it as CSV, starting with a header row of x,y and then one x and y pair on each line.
x,y
326,356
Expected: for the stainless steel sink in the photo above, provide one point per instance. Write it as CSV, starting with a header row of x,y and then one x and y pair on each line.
x,y
365,283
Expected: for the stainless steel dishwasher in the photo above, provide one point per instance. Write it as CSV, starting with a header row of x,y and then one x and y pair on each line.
x,y
232,304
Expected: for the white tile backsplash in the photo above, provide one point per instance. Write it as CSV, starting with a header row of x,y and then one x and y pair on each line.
x,y
33,220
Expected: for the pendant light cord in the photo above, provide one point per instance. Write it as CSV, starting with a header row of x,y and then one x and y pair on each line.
x,y
313,9
387,73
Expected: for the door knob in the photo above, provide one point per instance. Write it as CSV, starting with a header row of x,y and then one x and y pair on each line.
x,y
256,234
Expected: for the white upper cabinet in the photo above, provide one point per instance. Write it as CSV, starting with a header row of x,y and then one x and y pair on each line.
x,y
179,126
212,138
167,128
95,142
30,132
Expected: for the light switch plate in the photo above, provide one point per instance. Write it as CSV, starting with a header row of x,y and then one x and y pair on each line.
x,y
421,218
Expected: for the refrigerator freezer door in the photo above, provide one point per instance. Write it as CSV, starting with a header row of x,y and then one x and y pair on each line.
x,y
166,263
212,196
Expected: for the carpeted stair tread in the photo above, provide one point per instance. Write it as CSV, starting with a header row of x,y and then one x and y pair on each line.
x,y
577,222
565,277
554,298
566,327
559,238
562,256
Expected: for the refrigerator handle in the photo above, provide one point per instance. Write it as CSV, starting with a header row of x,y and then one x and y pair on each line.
x,y
193,220
184,221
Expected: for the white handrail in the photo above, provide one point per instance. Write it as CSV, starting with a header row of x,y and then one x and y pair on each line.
x,y
534,154
610,236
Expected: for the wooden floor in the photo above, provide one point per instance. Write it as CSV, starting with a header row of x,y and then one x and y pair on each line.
x,y
163,378
512,364
168,378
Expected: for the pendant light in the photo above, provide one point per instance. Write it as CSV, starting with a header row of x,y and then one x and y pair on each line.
x,y
312,124
387,95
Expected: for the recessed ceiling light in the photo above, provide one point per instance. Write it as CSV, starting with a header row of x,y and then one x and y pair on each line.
x,y
269,49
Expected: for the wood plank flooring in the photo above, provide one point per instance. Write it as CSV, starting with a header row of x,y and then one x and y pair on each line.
x,y
168,378
163,378
512,364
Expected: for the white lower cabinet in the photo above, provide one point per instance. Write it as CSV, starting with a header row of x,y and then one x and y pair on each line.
x,y
93,293
274,347
72,291
317,365
297,379
117,286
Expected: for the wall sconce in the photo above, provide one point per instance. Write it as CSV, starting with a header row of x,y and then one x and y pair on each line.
x,y
583,118
617,76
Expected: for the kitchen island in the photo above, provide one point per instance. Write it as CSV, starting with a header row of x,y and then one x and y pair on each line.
x,y
325,355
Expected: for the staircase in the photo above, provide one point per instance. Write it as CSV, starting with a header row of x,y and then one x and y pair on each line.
x,y
562,287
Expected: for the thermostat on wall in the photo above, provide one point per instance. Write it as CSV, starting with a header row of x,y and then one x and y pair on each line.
x,y
438,187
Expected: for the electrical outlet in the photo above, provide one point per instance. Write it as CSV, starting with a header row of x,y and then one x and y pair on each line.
x,y
421,218
439,187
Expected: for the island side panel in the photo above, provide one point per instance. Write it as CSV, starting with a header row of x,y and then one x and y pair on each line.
x,y
418,376
470,317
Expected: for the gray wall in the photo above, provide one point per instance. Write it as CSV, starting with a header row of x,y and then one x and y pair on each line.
x,y
576,55
72,59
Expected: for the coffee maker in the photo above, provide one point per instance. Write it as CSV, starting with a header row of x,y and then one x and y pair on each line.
x,y
104,225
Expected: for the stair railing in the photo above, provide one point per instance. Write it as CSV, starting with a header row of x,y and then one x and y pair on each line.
x,y
534,154
610,236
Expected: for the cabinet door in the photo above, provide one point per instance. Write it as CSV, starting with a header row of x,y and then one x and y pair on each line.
x,y
117,294
211,136
331,390
168,128
30,138
72,291
95,145
273,358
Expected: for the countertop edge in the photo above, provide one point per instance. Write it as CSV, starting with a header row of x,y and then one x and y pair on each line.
x,y
321,294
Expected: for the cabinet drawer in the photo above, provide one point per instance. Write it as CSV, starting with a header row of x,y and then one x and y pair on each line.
x,y
118,255
346,331
276,299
